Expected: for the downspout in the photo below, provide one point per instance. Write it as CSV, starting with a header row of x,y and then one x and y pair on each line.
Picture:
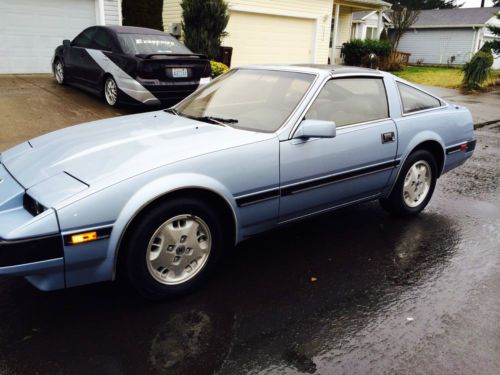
x,y
335,33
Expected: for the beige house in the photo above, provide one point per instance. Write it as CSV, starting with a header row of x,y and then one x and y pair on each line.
x,y
285,31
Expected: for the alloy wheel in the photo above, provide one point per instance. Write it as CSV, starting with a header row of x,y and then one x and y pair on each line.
x,y
179,249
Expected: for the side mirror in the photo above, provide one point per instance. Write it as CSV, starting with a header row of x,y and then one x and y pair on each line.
x,y
66,42
316,129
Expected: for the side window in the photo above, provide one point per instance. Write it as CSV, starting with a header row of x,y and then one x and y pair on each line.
x,y
415,100
102,40
350,101
84,39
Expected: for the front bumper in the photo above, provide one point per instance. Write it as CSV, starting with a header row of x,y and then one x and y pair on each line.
x,y
30,250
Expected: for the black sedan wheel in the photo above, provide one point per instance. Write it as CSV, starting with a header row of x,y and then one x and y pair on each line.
x,y
174,248
415,185
111,91
59,71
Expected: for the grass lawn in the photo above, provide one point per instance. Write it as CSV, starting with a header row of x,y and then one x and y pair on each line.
x,y
443,77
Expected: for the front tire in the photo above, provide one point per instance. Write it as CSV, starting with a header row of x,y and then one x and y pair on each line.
x,y
173,248
111,92
414,187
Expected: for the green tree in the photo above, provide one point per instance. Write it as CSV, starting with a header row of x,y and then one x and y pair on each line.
x,y
495,45
144,13
426,4
203,25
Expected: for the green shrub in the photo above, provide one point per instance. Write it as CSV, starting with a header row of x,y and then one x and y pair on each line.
x,y
203,25
478,70
356,51
218,68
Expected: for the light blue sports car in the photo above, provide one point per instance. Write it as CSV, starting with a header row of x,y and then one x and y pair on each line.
x,y
157,197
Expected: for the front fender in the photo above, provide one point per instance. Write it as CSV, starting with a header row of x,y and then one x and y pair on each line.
x,y
159,188
116,207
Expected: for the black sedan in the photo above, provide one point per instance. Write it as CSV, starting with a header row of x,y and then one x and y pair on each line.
x,y
130,65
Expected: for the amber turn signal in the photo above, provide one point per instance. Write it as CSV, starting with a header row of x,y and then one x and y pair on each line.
x,y
83,237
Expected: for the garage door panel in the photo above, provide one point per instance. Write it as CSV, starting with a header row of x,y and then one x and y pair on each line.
x,y
30,30
267,39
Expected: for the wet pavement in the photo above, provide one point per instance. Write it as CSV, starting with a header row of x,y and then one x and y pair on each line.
x,y
353,292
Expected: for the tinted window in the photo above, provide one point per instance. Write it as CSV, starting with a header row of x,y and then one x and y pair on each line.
x,y
84,39
415,100
102,40
350,101
256,99
145,44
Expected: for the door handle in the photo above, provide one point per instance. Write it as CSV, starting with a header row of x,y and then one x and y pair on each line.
x,y
388,137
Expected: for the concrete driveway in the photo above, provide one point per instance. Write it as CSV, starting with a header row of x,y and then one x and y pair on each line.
x,y
32,105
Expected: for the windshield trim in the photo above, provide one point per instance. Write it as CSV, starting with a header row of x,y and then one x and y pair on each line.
x,y
287,120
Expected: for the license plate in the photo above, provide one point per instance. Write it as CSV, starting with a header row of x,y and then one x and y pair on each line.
x,y
179,72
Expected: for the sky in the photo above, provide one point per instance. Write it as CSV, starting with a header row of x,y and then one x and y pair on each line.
x,y
474,3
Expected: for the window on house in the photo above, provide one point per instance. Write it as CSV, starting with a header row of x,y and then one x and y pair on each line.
x,y
350,101
371,33
415,100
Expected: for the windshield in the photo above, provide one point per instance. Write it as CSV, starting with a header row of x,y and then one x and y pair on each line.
x,y
146,44
252,99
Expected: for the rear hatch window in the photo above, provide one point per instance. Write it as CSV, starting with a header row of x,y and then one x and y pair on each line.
x,y
148,44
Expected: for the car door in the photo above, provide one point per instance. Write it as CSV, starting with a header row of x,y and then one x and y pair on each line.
x,y
320,173
100,47
79,63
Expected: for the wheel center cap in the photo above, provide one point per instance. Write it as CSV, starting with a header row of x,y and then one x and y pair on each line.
x,y
180,250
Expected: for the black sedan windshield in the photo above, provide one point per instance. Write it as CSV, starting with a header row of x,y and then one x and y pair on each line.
x,y
252,99
147,44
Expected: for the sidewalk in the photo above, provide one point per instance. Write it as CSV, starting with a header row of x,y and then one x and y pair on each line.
x,y
485,107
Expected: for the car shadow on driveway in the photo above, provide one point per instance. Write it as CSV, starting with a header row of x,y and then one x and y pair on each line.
x,y
277,301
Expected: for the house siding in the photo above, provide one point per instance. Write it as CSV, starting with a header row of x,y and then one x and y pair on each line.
x,y
112,9
437,46
318,9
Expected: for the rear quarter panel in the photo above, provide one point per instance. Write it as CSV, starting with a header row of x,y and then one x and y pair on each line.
x,y
449,126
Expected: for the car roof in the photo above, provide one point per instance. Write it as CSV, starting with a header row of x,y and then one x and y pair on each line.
x,y
133,30
321,69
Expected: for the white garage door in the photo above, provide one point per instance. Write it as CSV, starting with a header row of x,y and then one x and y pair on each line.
x,y
267,39
30,30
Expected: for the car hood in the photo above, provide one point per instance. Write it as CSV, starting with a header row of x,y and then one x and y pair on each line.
x,y
119,148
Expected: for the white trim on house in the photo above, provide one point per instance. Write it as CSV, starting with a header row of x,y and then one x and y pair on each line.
x,y
100,16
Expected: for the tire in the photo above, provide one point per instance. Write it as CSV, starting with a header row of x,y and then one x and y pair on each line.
x,y
59,71
414,187
164,255
111,92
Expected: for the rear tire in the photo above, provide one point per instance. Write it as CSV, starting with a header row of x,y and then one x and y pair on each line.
x,y
174,248
59,72
414,186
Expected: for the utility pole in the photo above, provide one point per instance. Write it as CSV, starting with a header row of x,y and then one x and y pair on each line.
x,y
482,3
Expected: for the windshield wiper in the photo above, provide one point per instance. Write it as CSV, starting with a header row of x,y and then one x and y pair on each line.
x,y
172,111
217,120
211,119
